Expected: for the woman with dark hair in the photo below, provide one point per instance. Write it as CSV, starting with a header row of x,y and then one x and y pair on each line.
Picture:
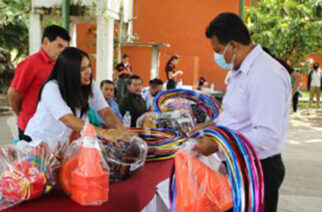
x,y
64,100
171,71
201,83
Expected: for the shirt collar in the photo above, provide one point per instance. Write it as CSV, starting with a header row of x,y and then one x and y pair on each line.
x,y
110,102
44,56
133,94
249,59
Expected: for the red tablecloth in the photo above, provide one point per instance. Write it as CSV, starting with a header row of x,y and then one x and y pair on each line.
x,y
130,195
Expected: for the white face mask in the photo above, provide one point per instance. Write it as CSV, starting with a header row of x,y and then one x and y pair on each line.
x,y
221,62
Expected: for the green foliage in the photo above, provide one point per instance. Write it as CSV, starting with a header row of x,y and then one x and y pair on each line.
x,y
14,17
52,21
290,29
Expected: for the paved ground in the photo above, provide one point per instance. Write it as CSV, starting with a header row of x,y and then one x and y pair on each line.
x,y
5,135
302,188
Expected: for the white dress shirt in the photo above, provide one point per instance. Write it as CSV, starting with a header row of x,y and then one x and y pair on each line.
x,y
257,102
148,98
316,78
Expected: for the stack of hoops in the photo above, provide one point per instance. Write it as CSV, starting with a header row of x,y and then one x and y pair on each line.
x,y
244,169
207,104
162,143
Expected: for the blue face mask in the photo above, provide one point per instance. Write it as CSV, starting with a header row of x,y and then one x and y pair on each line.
x,y
221,62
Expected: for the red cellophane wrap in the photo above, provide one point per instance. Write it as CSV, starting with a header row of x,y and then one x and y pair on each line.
x,y
199,187
84,174
27,171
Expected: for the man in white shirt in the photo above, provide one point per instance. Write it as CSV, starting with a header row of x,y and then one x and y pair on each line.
x,y
257,99
315,84
156,86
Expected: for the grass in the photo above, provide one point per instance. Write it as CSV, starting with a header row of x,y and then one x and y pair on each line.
x,y
305,94
305,104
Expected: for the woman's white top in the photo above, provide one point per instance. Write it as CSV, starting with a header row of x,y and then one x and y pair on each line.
x,y
45,124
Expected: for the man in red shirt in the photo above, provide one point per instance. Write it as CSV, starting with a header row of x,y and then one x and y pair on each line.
x,y
32,72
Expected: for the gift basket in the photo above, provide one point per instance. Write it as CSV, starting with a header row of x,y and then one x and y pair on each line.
x,y
125,157
26,172
84,174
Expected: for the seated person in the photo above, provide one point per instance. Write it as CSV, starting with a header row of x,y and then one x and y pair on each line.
x,y
108,90
64,102
133,101
156,86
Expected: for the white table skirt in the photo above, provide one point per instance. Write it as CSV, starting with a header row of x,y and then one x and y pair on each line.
x,y
160,201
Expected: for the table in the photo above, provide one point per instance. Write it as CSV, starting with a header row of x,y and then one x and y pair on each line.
x,y
131,195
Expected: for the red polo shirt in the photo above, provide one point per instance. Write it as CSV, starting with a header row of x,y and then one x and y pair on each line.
x,y
30,74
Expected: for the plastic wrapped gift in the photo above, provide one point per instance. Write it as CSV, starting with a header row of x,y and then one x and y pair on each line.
x,y
85,174
196,110
125,158
147,120
178,120
26,172
199,184
199,114
177,104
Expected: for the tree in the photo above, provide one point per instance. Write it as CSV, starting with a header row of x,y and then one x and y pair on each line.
x,y
6,70
14,17
290,29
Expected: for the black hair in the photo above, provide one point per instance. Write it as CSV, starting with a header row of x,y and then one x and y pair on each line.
x,y
133,77
53,31
267,51
228,27
106,82
201,82
174,57
155,82
67,72
125,56
202,79
316,65
289,69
